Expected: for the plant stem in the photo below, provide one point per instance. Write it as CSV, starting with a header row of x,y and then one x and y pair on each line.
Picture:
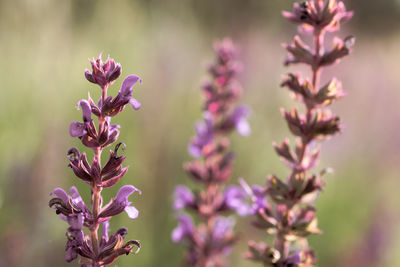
x,y
318,42
96,191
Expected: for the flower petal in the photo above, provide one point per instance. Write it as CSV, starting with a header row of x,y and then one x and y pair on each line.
x,y
77,129
132,212
128,83
135,103
183,197
86,110
105,228
184,228
61,194
124,192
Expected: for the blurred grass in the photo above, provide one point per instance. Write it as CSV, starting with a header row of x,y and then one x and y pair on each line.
x,y
45,45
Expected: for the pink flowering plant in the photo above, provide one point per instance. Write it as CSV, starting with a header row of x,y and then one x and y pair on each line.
x,y
210,240
285,208
98,251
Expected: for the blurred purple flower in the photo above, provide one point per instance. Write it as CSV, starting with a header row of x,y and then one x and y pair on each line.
x,y
234,199
319,15
212,237
183,198
293,259
245,200
239,119
184,229
222,226
204,135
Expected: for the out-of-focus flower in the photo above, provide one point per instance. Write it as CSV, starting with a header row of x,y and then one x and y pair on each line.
x,y
322,124
291,216
319,14
184,229
204,135
223,228
341,48
183,198
245,200
211,239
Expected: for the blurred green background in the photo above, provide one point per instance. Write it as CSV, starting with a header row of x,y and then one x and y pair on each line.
x,y
44,46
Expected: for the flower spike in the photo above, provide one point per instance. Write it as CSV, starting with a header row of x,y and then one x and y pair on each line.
x,y
291,218
70,207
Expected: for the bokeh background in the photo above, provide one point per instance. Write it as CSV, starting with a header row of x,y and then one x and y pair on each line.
x,y
44,46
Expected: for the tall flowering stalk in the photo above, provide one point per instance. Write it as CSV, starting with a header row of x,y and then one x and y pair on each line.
x,y
98,251
209,241
290,215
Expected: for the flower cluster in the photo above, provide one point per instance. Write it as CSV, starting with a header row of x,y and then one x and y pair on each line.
x,y
289,213
209,241
70,207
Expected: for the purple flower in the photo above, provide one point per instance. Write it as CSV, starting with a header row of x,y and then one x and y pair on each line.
x,y
204,135
120,203
105,229
78,129
239,119
234,199
103,74
112,247
245,200
319,16
184,229
75,241
87,131
112,170
71,209
225,50
293,259
183,198
209,241
112,107
222,227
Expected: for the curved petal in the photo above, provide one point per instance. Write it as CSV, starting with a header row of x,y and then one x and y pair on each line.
x,y
135,103
76,221
86,110
132,212
243,127
77,129
239,118
128,83
61,194
105,229
76,198
124,192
